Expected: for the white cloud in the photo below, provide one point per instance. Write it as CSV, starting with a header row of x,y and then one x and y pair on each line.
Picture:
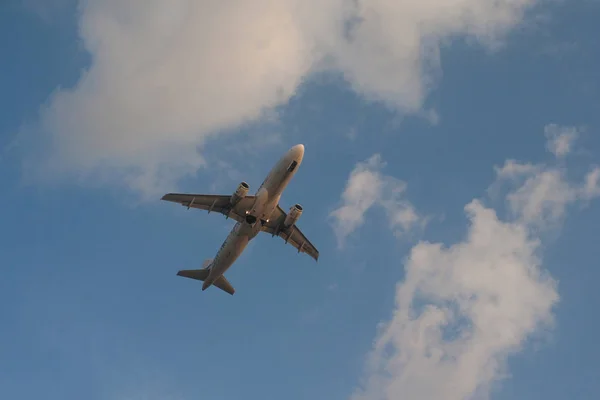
x,y
560,139
367,186
394,51
591,187
543,197
361,193
544,191
165,76
463,309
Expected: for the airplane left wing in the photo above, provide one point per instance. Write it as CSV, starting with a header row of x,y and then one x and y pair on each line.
x,y
292,235
213,203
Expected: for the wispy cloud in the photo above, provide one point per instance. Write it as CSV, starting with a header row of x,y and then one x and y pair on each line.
x,y
560,139
367,187
543,191
463,309
168,76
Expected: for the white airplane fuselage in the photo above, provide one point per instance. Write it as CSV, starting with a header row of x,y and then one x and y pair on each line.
x,y
266,201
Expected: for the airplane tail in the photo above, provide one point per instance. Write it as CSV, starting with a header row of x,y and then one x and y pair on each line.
x,y
207,263
202,274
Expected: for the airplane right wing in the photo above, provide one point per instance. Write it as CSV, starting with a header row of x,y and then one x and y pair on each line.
x,y
213,202
292,235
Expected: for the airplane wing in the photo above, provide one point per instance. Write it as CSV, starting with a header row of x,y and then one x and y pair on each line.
x,y
212,203
292,235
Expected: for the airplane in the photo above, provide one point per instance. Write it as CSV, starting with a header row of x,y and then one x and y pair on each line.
x,y
256,213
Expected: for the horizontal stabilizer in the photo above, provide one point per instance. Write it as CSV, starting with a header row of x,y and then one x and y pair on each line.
x,y
223,284
198,274
201,275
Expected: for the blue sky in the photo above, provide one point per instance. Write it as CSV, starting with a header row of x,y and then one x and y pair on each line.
x,y
106,108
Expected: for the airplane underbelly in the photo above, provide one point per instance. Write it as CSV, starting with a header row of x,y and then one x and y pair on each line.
x,y
271,206
229,254
261,202
265,204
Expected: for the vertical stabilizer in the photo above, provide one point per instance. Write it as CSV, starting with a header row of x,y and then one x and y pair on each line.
x,y
207,263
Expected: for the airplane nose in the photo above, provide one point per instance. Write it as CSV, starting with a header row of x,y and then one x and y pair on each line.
x,y
298,150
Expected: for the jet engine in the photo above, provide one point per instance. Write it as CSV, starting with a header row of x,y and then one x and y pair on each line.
x,y
293,215
240,193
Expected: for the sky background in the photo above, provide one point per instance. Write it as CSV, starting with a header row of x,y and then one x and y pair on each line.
x,y
445,271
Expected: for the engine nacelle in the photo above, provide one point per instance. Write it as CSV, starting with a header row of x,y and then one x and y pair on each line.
x,y
293,215
240,193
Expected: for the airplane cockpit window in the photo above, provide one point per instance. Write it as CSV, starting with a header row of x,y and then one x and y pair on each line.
x,y
292,166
